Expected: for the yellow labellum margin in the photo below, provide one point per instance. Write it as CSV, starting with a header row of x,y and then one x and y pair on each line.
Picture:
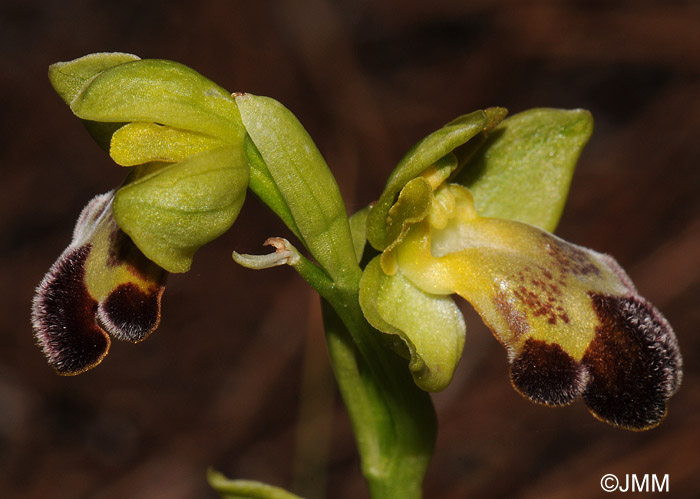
x,y
570,318
100,286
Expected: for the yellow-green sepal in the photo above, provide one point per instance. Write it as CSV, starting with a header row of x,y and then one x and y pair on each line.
x,y
263,184
170,210
430,327
70,78
524,169
159,91
358,230
418,159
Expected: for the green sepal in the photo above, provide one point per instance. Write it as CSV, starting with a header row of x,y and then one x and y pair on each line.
x,y
69,78
431,326
358,229
159,91
170,210
418,159
304,181
524,169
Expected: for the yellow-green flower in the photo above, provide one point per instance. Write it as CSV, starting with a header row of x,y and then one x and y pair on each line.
x,y
182,137
570,319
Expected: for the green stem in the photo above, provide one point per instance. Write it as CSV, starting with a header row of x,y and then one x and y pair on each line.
x,y
245,489
393,420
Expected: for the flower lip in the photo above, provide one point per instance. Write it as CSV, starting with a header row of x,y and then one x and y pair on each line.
x,y
634,362
63,316
100,286
570,318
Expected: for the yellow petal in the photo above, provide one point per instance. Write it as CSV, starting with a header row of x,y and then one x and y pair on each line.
x,y
137,143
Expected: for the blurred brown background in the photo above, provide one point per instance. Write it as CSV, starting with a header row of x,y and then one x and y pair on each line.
x,y
237,374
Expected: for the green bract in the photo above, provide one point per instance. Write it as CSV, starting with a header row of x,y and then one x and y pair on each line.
x,y
290,171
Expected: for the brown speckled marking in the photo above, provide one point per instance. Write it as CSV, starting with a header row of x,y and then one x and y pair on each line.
x,y
516,320
634,363
538,291
568,258
544,373
63,316
541,288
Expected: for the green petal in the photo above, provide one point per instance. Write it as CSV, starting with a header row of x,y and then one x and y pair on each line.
x,y
524,170
412,206
172,210
159,91
421,156
431,326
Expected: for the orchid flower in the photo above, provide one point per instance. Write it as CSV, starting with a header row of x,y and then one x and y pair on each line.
x,y
571,320
182,138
